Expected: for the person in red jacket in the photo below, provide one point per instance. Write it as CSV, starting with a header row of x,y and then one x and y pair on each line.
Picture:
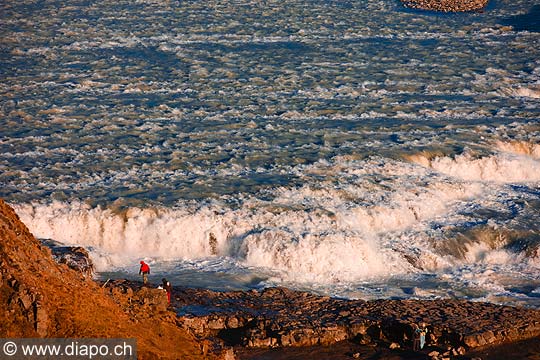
x,y
144,270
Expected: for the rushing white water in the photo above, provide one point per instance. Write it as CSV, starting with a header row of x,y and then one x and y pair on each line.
x,y
351,148
497,168
331,235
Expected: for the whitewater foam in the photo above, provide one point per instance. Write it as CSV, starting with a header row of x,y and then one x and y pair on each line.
x,y
279,132
307,235
503,168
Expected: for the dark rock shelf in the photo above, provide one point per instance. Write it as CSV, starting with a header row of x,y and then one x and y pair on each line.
x,y
279,317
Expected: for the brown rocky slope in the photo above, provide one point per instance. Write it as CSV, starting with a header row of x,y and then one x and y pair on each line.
x,y
40,298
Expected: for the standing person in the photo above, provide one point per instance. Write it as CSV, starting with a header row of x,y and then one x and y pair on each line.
x,y
144,270
416,338
168,287
423,333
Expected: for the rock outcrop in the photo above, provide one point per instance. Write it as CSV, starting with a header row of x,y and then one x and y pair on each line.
x,y
75,257
278,317
446,5
41,298
137,300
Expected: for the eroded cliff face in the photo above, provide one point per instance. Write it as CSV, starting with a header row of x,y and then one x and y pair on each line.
x,y
40,298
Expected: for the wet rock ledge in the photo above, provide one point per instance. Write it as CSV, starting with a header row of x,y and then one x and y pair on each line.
x,y
279,317
446,5
75,257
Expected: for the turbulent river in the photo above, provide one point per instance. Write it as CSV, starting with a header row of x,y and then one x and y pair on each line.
x,y
351,148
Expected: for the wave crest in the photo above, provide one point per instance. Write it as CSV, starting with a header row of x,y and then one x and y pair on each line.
x,y
501,168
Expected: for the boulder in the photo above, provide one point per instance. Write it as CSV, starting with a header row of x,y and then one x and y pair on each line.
x,y
75,257
156,299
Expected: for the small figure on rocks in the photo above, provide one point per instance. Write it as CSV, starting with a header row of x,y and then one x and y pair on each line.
x,y
145,271
419,339
416,338
168,287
